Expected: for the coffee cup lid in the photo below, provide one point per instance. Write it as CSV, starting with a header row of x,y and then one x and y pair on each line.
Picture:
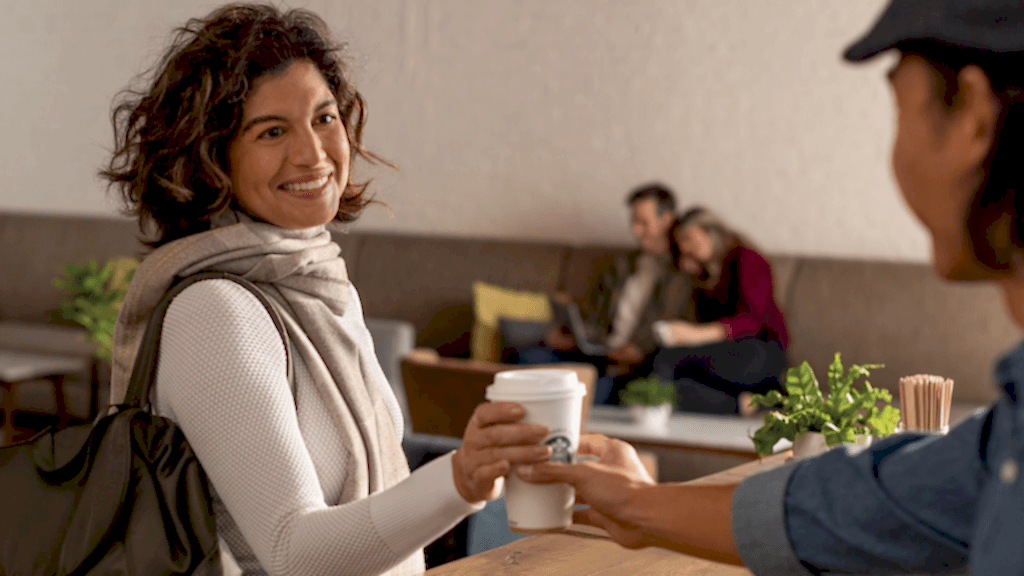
x,y
525,385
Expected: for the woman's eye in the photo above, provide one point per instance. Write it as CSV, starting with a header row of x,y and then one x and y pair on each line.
x,y
326,119
271,133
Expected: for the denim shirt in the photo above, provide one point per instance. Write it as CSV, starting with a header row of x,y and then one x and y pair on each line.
x,y
908,504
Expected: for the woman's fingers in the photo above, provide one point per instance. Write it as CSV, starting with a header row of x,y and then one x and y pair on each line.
x,y
506,435
490,472
490,413
522,454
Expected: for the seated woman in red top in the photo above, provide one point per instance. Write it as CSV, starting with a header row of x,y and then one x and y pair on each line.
x,y
737,346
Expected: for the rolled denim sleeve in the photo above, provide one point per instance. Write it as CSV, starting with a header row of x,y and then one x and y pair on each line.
x,y
907,504
759,524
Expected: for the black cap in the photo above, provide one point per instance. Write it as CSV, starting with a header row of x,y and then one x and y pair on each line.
x,y
993,25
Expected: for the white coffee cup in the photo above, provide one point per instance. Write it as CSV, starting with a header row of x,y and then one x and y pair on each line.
x,y
553,398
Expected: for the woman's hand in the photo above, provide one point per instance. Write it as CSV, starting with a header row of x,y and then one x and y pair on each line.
x,y
608,485
683,333
495,441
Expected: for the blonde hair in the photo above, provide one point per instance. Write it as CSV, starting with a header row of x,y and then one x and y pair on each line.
x,y
723,240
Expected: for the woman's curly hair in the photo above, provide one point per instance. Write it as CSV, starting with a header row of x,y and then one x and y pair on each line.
x,y
172,138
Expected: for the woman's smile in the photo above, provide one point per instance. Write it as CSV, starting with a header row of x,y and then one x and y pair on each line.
x,y
310,189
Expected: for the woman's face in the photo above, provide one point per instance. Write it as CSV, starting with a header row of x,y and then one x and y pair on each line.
x,y
695,248
936,159
289,162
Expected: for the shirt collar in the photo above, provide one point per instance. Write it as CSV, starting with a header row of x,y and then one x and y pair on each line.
x,y
1009,371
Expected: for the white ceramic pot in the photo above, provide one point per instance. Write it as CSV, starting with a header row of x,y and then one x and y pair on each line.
x,y
811,444
651,417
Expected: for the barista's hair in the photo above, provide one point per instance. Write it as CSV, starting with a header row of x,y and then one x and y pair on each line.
x,y
170,161
999,201
664,200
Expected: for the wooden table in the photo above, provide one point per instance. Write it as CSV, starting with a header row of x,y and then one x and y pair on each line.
x,y
22,368
587,551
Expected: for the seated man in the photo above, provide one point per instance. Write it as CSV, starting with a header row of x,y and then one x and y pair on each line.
x,y
626,295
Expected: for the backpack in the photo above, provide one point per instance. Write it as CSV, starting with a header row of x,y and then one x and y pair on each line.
x,y
122,495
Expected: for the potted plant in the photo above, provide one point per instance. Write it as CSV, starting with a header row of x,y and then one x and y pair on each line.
x,y
650,401
814,421
96,296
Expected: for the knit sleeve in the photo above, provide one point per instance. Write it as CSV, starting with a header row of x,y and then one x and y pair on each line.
x,y
222,378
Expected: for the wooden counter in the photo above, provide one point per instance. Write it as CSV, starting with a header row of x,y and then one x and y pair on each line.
x,y
586,551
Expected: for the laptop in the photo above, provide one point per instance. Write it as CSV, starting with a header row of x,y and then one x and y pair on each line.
x,y
569,314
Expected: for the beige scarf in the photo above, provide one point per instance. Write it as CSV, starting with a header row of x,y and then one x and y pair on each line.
x,y
302,273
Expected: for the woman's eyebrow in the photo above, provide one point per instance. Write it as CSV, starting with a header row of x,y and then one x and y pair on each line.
x,y
259,120
274,118
325,104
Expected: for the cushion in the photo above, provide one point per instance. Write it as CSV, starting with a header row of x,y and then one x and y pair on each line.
x,y
490,303
520,334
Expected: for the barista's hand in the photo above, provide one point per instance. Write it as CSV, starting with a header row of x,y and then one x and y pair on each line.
x,y
495,441
628,354
608,485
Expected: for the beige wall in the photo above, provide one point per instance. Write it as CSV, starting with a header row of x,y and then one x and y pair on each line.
x,y
526,118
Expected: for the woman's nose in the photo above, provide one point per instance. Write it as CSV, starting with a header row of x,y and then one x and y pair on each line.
x,y
307,149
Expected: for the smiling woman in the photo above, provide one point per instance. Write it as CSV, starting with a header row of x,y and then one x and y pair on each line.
x,y
173,163
290,160
236,156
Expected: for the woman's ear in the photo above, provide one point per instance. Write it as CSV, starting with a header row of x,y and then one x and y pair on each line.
x,y
975,116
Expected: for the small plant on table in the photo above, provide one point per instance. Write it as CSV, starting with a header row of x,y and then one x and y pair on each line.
x,y
650,401
840,417
651,391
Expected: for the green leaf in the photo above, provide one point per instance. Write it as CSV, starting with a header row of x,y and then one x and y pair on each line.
x,y
835,372
776,427
800,382
770,400
885,422
95,295
651,391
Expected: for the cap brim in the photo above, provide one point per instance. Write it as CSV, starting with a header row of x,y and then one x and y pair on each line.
x,y
869,46
899,21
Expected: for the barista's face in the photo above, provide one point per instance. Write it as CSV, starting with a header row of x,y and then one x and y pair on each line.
x,y
938,154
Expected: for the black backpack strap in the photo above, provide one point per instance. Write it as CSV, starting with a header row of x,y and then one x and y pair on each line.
x,y
144,371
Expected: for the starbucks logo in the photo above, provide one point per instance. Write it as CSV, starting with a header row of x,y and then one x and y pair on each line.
x,y
560,446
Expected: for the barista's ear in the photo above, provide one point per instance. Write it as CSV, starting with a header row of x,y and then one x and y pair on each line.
x,y
974,117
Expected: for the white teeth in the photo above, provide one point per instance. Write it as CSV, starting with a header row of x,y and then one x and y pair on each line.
x,y
312,185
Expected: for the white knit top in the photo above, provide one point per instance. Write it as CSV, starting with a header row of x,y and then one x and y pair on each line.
x,y
273,455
